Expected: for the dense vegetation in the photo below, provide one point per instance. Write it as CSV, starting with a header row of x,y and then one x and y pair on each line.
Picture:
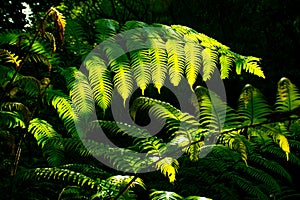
x,y
58,110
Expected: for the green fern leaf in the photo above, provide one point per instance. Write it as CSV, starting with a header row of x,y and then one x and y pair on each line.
x,y
105,28
176,60
210,59
80,92
253,108
158,60
140,68
63,105
11,120
168,166
288,96
193,61
100,80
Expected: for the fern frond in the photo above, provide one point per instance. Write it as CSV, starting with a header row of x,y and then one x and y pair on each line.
x,y
49,140
246,186
158,60
120,128
63,105
11,120
42,131
164,195
226,61
119,64
214,112
273,167
75,35
105,28
80,92
140,67
10,57
249,64
168,166
52,40
278,137
234,142
253,108
123,181
11,37
29,84
133,24
192,61
62,176
176,60
100,80
17,106
288,96
210,59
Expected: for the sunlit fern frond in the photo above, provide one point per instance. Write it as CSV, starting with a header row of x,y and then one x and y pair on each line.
x,y
253,108
123,181
140,68
233,141
193,62
63,105
49,140
249,64
146,103
10,37
278,136
10,57
210,60
168,167
176,60
11,120
80,92
119,65
288,96
100,81
226,61
105,28
42,131
158,60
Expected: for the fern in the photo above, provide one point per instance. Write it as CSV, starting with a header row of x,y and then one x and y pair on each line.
x,y
11,120
100,80
80,92
62,104
253,108
176,60
105,28
288,96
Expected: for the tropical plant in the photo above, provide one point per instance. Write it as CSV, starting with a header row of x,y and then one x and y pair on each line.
x,y
246,147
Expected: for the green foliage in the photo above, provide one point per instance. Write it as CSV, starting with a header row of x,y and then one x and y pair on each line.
x,y
235,153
